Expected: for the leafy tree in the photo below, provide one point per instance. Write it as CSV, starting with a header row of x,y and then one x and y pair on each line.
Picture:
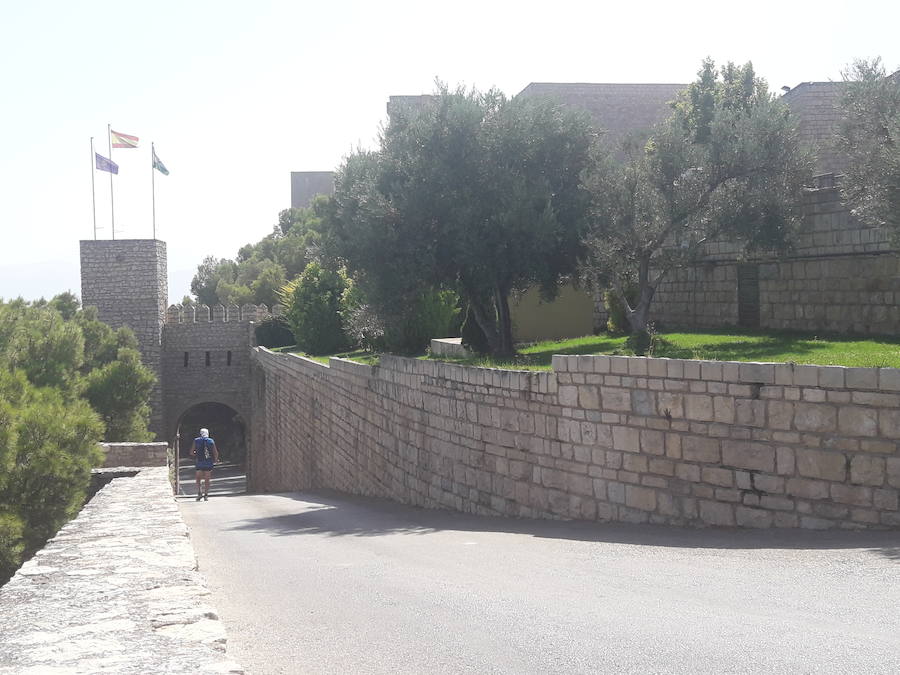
x,y
473,192
119,391
869,134
313,304
261,269
727,163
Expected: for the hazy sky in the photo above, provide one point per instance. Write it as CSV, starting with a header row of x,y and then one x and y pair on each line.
x,y
238,95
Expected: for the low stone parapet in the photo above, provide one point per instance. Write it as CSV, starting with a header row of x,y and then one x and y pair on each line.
x,y
117,590
134,454
448,347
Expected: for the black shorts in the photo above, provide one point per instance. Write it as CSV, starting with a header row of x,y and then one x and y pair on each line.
x,y
204,465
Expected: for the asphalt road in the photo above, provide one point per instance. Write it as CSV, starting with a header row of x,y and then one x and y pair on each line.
x,y
325,583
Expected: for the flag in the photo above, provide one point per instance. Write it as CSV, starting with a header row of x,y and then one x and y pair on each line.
x,y
123,140
106,164
158,165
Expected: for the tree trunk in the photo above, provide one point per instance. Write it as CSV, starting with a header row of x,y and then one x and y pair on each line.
x,y
484,318
501,299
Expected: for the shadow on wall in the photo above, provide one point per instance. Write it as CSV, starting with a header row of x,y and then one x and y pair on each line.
x,y
338,515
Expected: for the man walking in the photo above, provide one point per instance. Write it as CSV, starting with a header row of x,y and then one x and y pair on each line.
x,y
204,449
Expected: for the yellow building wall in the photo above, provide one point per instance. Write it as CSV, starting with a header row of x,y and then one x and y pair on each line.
x,y
570,315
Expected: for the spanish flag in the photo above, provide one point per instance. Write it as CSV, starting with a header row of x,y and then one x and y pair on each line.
x,y
123,140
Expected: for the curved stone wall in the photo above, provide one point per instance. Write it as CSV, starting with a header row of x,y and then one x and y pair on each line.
x,y
600,437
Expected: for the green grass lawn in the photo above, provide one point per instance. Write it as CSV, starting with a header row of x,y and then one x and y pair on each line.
x,y
359,355
715,346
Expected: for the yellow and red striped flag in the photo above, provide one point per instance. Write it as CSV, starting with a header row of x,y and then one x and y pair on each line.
x,y
123,140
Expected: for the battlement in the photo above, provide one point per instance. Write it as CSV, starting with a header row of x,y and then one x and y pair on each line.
x,y
220,313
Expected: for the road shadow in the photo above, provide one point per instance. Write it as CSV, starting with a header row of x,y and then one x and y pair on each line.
x,y
339,515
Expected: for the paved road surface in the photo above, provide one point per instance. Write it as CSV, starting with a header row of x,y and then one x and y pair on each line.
x,y
325,583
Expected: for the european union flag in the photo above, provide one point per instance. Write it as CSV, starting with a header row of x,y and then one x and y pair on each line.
x,y
104,164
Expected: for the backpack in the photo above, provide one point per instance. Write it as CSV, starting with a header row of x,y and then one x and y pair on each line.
x,y
201,446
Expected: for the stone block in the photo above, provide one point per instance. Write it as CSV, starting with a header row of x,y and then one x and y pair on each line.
x,y
635,463
867,470
700,449
715,513
669,404
723,409
889,379
893,471
716,476
821,464
784,460
643,402
757,373
851,494
806,376
640,498
748,517
626,439
767,483
776,503
862,378
785,519
653,442
615,492
832,377
615,399
857,421
889,423
665,467
568,396
750,413
784,374
781,414
885,499
698,407
807,489
815,417
748,455
688,472
811,523
588,398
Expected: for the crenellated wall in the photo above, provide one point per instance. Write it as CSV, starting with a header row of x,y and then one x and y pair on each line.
x,y
206,358
605,438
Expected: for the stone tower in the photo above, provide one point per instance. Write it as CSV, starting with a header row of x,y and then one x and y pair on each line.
x,y
126,281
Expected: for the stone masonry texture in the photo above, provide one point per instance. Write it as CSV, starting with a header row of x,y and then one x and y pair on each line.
x,y
115,591
126,281
599,438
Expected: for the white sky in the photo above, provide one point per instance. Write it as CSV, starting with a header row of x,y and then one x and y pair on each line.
x,y
236,95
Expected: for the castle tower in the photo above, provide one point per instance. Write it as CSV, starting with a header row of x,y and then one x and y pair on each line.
x,y
126,281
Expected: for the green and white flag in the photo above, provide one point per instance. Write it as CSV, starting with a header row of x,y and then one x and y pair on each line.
x,y
158,165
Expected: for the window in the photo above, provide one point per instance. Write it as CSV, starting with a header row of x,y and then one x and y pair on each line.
x,y
229,358
207,358
185,359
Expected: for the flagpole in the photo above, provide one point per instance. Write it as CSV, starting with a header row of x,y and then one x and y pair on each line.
x,y
93,193
153,185
111,203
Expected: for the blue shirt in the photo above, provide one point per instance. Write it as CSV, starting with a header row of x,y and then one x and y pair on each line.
x,y
203,448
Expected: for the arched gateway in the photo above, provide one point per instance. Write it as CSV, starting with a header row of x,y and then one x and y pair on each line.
x,y
201,356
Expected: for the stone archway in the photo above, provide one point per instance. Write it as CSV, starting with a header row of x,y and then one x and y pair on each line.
x,y
225,424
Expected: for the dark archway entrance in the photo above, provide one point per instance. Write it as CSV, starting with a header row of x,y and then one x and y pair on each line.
x,y
229,430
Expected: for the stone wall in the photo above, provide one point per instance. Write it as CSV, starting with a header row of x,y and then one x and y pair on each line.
x,y
840,276
134,454
206,359
126,281
605,438
116,590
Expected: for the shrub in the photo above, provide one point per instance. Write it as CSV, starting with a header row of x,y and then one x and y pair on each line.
x,y
431,314
274,331
313,304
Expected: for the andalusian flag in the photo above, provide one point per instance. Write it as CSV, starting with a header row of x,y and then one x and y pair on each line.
x,y
158,165
123,140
